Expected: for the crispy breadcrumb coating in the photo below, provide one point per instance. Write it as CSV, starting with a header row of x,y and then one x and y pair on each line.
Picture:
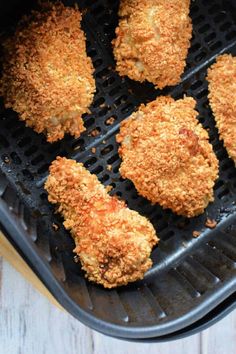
x,y
167,155
222,97
47,75
152,40
113,242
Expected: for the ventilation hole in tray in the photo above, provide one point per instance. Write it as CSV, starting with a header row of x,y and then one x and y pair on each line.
x,y
44,196
97,63
89,122
195,8
104,111
113,159
90,162
201,120
224,193
162,225
196,85
120,100
97,170
104,19
225,27
28,175
218,146
108,82
98,10
116,169
204,28
227,165
214,9
231,35
202,94
194,48
129,186
219,18
17,133
24,141
104,178
102,74
37,159
111,120
198,20
95,132
92,53
3,142
127,109
210,37
218,184
222,154
52,148
200,56
108,29
115,90
78,144
43,169
167,235
15,158
100,101
216,45
31,150
232,174
106,150
143,202
134,196
113,185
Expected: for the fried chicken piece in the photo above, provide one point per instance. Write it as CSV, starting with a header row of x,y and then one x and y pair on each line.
x,y
167,155
152,40
222,97
47,75
113,242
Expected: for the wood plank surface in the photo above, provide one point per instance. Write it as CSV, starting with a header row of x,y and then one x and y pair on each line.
x,y
31,324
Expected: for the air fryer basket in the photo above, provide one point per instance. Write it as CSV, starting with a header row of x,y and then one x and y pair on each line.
x,y
190,276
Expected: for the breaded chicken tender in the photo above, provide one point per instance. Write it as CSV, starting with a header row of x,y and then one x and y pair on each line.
x,y
113,242
166,154
47,76
222,97
152,40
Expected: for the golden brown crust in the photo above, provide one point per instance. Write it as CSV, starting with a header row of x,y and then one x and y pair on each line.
x,y
152,40
167,155
47,76
222,97
113,242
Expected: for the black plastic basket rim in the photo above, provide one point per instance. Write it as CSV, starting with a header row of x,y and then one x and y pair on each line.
x,y
16,232
25,158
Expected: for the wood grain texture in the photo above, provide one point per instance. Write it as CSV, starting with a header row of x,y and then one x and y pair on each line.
x,y
11,255
30,324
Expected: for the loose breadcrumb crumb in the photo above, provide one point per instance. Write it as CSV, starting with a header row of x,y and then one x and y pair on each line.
x,y
6,159
93,150
109,167
196,234
109,188
211,223
47,77
113,242
110,121
166,153
152,40
222,97
95,132
55,226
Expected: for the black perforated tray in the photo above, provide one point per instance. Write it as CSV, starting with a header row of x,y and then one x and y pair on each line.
x,y
190,277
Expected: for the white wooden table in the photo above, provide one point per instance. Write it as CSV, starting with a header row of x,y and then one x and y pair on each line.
x,y
30,324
